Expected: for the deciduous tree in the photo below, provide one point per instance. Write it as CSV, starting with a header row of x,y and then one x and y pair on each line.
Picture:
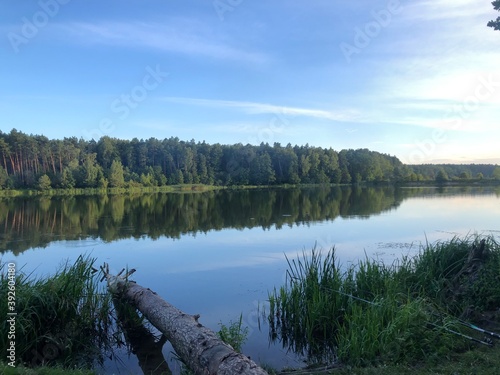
x,y
116,178
44,183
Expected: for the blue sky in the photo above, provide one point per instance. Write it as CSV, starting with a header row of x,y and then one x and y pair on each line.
x,y
419,80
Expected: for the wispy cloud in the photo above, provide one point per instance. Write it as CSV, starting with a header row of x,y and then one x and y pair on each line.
x,y
347,115
179,36
437,80
448,9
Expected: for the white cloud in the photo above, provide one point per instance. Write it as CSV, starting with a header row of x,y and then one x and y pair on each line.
x,y
432,72
262,108
178,36
430,10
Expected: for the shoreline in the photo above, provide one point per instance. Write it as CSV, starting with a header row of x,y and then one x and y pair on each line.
x,y
200,188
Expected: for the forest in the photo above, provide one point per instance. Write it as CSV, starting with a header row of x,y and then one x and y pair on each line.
x,y
37,162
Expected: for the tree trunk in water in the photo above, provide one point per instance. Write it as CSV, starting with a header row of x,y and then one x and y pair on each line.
x,y
199,347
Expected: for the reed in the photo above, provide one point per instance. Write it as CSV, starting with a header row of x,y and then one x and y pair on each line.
x,y
440,267
372,313
61,320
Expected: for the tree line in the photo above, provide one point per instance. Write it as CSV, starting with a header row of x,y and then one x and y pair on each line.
x,y
34,161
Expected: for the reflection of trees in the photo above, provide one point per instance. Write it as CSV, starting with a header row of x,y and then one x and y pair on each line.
x,y
35,222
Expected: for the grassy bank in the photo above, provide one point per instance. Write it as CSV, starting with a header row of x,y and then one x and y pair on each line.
x,y
111,191
139,189
44,370
371,314
61,320
480,361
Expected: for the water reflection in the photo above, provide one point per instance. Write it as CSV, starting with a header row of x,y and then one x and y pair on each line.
x,y
35,222
140,340
232,243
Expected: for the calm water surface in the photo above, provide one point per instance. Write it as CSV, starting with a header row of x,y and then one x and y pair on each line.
x,y
219,253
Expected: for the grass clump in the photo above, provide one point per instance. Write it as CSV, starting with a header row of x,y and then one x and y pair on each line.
x,y
234,334
61,320
377,314
460,274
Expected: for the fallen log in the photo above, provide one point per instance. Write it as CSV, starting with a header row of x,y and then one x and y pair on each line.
x,y
199,347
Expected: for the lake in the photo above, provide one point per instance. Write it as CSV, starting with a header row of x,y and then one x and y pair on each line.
x,y
218,253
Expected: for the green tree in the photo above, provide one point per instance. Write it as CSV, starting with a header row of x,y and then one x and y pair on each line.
x,y
44,183
203,169
413,177
5,153
305,167
496,23
442,176
106,152
177,177
4,177
345,176
330,165
261,170
67,179
147,180
496,173
159,176
116,177
464,175
102,181
314,161
90,170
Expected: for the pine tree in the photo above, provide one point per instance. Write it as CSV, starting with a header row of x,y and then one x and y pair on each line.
x,y
496,23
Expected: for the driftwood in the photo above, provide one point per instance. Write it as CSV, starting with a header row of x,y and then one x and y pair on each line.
x,y
199,347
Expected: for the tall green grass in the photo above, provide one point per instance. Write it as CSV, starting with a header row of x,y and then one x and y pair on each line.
x,y
372,313
438,273
63,319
